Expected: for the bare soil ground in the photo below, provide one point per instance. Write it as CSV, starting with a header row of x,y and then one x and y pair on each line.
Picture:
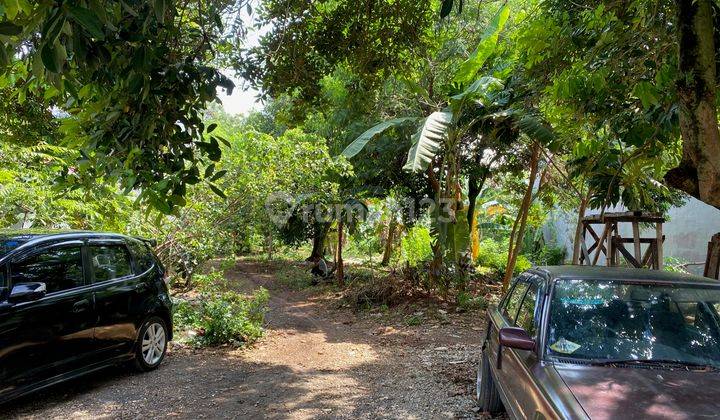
x,y
317,360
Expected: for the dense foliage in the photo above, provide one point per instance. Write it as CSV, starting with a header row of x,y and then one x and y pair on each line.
x,y
433,137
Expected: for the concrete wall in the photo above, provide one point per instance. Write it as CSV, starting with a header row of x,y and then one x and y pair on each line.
x,y
687,231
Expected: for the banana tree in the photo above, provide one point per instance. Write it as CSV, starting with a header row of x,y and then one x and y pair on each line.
x,y
445,138
441,145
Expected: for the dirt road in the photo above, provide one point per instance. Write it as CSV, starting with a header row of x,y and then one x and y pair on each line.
x,y
316,361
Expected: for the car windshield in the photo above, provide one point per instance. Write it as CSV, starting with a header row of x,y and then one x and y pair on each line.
x,y
616,320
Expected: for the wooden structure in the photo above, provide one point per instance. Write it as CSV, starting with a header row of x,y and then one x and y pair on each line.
x,y
712,264
610,243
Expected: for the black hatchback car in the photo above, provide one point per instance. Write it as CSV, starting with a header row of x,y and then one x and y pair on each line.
x,y
75,302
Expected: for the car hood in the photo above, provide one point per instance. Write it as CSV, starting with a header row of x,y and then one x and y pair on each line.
x,y
614,392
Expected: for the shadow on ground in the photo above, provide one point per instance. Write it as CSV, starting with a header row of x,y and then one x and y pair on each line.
x,y
315,362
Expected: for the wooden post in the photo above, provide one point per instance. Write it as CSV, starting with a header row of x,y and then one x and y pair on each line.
x,y
610,251
340,265
613,246
585,256
636,240
600,241
712,264
659,248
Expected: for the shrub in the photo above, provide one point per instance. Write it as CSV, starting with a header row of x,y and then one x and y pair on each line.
x,y
209,282
223,318
415,247
549,255
184,314
292,276
232,318
521,264
492,259
467,301
227,263
492,254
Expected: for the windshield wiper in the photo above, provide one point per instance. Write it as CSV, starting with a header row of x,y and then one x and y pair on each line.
x,y
656,363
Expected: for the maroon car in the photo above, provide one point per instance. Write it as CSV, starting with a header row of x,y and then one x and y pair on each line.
x,y
579,342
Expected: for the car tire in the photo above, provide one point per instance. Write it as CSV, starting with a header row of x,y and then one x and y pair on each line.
x,y
152,344
485,389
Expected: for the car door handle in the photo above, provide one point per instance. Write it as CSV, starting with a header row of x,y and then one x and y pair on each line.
x,y
81,306
140,287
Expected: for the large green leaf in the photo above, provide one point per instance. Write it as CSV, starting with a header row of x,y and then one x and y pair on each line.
x,y
481,89
446,8
647,94
9,28
469,68
160,7
53,56
87,19
427,140
457,240
534,128
359,143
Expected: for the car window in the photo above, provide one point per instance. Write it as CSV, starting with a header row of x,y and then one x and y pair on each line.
x,y
625,320
514,299
143,256
3,277
59,268
110,262
526,315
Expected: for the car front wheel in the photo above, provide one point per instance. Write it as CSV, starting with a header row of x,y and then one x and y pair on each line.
x,y
152,344
485,389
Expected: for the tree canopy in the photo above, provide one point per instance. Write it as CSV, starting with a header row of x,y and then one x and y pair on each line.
x,y
492,112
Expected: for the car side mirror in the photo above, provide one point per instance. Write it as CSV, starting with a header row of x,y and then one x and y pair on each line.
x,y
514,338
25,292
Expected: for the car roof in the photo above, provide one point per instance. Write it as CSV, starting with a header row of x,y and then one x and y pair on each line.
x,y
27,238
33,234
621,273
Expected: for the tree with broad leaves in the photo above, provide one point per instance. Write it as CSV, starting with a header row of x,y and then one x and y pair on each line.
x,y
131,79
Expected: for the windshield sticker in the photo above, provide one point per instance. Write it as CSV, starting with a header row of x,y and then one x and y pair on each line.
x,y
565,346
582,301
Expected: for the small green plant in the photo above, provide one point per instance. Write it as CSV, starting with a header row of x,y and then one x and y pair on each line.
x,y
521,264
675,265
227,264
222,317
208,282
294,277
231,318
492,254
184,314
413,320
492,259
549,255
415,246
468,302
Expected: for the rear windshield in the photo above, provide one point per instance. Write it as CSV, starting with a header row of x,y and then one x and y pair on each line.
x,y
615,320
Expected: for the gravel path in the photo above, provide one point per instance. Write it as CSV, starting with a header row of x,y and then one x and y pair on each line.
x,y
316,361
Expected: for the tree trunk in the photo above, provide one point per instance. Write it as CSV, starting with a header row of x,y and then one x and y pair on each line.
x,y
387,253
340,267
578,230
269,244
521,219
699,170
475,185
435,268
320,232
